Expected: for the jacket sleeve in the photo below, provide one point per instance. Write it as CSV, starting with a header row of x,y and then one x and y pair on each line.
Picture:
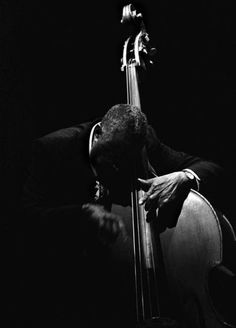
x,y
43,214
166,160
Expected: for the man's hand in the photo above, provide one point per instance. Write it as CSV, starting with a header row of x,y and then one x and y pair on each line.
x,y
163,189
106,225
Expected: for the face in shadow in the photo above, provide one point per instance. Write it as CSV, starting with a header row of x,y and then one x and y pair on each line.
x,y
115,169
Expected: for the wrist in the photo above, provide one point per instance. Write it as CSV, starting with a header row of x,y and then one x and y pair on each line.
x,y
192,178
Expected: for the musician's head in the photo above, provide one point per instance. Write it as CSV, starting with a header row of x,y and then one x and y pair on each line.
x,y
119,141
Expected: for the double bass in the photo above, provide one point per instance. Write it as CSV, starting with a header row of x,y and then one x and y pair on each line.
x,y
181,255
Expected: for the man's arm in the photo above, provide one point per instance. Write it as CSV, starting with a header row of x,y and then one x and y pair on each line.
x,y
166,159
208,177
67,218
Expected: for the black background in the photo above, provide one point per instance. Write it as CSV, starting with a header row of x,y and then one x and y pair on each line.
x,y
60,65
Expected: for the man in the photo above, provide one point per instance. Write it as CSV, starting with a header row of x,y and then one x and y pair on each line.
x,y
75,176
67,163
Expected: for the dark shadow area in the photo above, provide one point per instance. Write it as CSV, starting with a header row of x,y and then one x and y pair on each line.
x,y
60,65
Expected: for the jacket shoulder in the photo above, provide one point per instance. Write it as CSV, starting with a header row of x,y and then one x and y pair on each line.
x,y
65,142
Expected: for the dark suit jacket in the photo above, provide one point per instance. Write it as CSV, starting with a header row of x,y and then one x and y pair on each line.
x,y
60,178
59,181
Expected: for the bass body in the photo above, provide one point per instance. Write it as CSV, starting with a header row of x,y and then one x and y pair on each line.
x,y
189,248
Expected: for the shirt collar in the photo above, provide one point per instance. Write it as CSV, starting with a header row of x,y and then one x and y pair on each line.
x,y
91,139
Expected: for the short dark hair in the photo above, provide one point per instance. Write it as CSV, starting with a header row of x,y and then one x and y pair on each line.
x,y
123,133
124,122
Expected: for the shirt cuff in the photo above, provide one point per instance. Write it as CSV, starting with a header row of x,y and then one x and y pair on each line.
x,y
195,176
